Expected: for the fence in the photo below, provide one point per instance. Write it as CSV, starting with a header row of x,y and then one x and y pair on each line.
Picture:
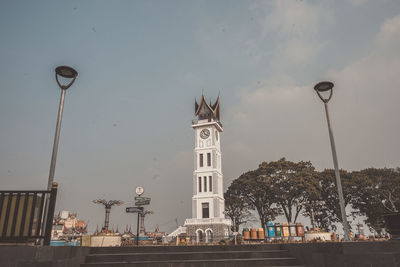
x,y
274,232
22,215
197,240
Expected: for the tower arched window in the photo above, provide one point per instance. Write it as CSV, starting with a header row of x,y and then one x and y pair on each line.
x,y
205,210
201,160
199,184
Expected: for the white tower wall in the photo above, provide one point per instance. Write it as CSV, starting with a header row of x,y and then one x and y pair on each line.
x,y
208,202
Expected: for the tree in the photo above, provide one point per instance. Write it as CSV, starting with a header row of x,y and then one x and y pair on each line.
x,y
236,206
329,211
377,193
292,185
256,191
319,214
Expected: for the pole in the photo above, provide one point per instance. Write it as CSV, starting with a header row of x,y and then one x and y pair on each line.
x,y
142,229
49,217
54,156
137,231
107,218
56,138
338,181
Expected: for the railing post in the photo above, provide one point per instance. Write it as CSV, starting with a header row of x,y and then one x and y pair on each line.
x,y
50,214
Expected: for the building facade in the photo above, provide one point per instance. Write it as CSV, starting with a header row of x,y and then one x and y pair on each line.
x,y
208,221
67,227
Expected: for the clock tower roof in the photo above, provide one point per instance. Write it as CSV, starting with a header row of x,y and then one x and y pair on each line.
x,y
207,111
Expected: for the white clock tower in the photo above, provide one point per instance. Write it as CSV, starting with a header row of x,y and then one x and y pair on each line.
x,y
208,221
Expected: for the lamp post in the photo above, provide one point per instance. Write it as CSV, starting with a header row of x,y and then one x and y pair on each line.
x,y
320,88
142,216
67,73
107,206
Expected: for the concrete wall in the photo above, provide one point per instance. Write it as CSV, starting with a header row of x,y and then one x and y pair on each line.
x,y
346,254
330,254
105,241
29,256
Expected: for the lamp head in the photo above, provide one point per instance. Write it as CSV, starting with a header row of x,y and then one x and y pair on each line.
x,y
68,73
323,87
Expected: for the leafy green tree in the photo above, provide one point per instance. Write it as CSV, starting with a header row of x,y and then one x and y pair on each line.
x,y
377,192
321,216
236,205
256,190
293,185
329,211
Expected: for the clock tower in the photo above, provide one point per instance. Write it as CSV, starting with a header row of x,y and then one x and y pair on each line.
x,y
208,221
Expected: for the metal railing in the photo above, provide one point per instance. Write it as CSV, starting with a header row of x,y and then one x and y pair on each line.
x,y
207,221
200,239
22,215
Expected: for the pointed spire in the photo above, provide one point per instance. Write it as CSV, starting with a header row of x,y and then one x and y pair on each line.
x,y
216,102
207,110
216,108
203,107
196,105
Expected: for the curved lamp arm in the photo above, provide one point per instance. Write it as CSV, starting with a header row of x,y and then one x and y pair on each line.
x,y
65,86
325,100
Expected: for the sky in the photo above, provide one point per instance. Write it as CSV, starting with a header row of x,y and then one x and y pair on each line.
x,y
127,118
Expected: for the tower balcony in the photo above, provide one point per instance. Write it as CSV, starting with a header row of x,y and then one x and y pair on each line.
x,y
196,122
207,221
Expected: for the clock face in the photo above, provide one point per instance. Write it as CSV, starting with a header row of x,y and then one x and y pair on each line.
x,y
205,133
139,190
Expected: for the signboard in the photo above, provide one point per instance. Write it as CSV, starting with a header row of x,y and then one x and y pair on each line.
x,y
142,198
134,209
139,190
140,203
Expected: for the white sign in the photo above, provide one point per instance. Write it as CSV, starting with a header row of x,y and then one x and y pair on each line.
x,y
139,190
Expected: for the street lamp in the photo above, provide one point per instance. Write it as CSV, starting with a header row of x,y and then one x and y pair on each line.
x,y
107,206
322,87
67,73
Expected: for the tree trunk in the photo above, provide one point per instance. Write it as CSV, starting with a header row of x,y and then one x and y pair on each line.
x,y
107,218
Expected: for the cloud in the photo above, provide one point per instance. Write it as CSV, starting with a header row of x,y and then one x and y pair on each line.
x,y
293,18
282,33
390,32
297,52
292,26
284,117
358,2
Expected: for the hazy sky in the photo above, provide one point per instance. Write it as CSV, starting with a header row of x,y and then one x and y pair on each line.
x,y
127,118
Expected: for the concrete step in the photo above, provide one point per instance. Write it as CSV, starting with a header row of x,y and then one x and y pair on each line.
x,y
201,263
188,255
109,250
